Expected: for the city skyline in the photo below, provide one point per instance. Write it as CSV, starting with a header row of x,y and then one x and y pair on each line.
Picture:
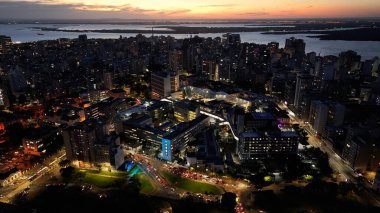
x,y
214,9
189,106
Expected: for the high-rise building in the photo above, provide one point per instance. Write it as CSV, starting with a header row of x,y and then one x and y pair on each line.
x,y
211,70
231,39
336,114
17,81
318,116
176,60
296,48
5,43
108,82
328,71
304,84
348,63
107,152
79,140
324,114
82,38
361,149
4,102
163,84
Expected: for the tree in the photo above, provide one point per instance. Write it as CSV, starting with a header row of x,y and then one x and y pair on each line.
x,y
229,201
67,172
64,163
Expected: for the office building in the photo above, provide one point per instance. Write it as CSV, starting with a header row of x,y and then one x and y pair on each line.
x,y
185,111
138,136
163,84
160,110
208,154
261,145
259,120
176,141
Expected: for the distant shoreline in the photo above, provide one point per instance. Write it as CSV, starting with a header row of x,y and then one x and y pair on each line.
x,y
363,34
359,34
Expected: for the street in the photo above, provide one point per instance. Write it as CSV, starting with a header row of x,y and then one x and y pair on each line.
x,y
336,162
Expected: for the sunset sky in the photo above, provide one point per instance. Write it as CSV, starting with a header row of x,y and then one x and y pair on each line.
x,y
187,9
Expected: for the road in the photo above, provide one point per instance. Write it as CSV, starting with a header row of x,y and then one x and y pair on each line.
x,y
240,187
26,184
161,187
336,162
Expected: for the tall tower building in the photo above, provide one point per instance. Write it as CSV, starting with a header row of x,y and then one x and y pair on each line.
x,y
79,141
348,62
295,47
211,70
108,83
318,116
176,60
303,85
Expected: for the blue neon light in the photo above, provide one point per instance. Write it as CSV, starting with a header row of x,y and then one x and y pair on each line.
x,y
166,149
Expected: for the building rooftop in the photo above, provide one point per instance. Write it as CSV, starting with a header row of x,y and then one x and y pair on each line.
x,y
184,127
262,116
250,134
163,74
186,105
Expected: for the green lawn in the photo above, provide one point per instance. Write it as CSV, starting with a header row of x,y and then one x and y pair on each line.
x,y
191,185
146,185
102,179
96,172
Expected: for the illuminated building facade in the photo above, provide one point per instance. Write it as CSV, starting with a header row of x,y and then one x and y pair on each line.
x,y
257,145
177,140
108,152
163,84
184,112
